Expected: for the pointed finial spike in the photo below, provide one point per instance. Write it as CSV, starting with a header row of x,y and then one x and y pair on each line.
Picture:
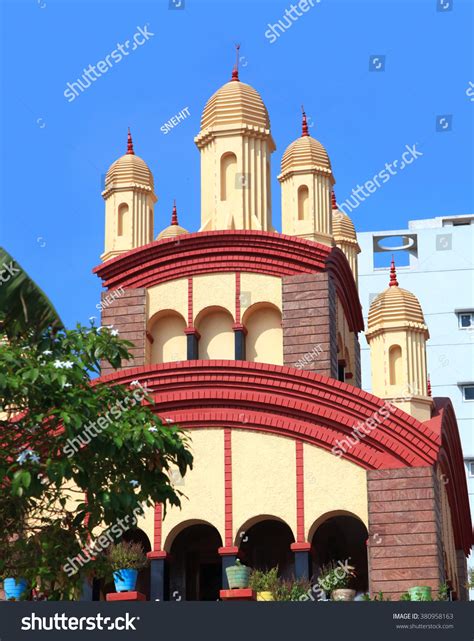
x,y
393,274
130,143
428,386
334,201
304,127
174,215
235,70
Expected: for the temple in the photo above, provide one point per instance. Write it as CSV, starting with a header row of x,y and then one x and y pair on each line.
x,y
248,339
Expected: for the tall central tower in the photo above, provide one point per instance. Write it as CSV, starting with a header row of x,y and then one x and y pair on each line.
x,y
235,144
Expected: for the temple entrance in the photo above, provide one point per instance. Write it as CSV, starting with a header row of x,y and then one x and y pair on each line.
x,y
267,544
339,538
196,568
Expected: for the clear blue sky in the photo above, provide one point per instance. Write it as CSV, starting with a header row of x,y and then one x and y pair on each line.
x,y
55,152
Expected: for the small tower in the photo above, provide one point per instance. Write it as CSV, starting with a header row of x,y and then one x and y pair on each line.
x,y
174,229
397,336
129,202
345,237
306,184
235,144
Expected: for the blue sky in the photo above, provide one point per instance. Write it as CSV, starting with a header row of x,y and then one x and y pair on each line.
x,y
55,152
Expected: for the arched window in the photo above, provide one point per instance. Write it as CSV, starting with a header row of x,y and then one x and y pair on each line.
x,y
303,202
122,218
214,324
150,223
228,175
264,340
395,364
169,339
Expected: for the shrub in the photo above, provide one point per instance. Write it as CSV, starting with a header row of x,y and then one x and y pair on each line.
x,y
126,556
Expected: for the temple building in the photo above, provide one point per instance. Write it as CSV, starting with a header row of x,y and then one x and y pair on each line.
x,y
249,339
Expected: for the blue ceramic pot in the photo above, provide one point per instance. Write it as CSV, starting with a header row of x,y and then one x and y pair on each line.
x,y
14,588
125,580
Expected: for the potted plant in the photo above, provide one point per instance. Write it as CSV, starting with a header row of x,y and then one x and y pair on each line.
x,y
126,559
293,590
335,578
264,583
420,593
15,585
238,576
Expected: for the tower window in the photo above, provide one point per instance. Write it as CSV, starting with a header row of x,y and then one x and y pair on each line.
x,y
395,364
122,216
303,202
228,173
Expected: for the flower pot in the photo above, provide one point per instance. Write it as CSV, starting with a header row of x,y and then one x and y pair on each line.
x,y
14,588
265,595
125,580
420,593
238,576
343,594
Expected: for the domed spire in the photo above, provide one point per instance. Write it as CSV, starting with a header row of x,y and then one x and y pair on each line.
x,y
304,126
174,214
393,275
130,143
235,70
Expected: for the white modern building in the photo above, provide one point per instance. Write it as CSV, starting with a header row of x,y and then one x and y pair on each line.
x,y
435,261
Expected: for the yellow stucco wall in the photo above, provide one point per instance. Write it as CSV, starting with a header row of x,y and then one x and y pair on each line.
x,y
171,295
263,477
332,484
203,486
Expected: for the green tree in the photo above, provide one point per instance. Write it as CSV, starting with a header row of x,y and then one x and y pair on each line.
x,y
76,455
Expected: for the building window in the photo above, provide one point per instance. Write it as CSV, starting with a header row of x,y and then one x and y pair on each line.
x,y
228,175
470,468
465,320
468,392
395,364
303,202
122,219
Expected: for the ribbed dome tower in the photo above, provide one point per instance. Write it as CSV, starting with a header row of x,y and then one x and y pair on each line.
x,y
174,229
235,145
306,183
345,237
397,336
129,202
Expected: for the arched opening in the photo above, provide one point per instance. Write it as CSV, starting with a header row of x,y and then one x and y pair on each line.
x,y
395,364
214,324
122,221
150,223
267,544
168,340
264,340
342,537
196,568
303,202
228,174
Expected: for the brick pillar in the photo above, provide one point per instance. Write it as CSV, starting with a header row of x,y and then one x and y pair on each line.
x,y
127,313
462,575
309,321
405,541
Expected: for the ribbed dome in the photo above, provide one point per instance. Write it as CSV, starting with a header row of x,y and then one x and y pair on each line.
x,y
172,231
395,305
306,153
235,103
342,226
129,170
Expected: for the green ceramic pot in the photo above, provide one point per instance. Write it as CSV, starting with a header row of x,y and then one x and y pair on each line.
x,y
238,576
420,593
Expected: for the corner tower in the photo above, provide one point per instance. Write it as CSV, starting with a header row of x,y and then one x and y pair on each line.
x,y
306,184
129,201
397,336
345,237
235,144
